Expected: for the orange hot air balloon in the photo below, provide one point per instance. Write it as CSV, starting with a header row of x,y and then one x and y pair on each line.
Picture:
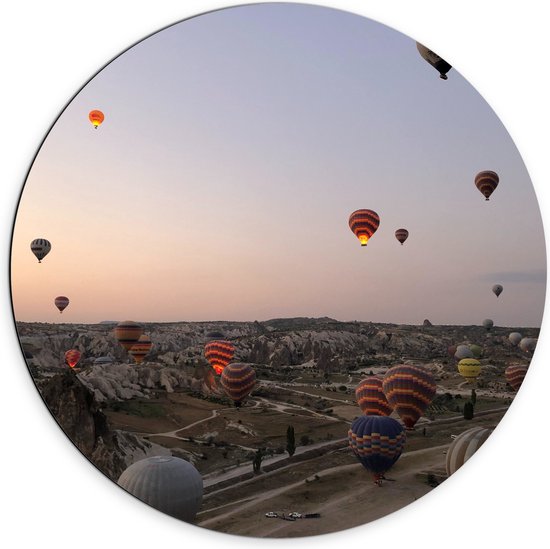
x,y
486,182
61,302
96,118
127,333
219,353
371,398
139,350
401,235
363,224
72,356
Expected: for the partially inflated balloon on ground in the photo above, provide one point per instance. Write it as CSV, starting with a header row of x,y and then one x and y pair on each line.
x,y
464,446
219,354
515,338
127,333
514,375
238,380
377,441
528,344
410,390
167,483
139,350
364,224
72,356
469,369
40,247
371,398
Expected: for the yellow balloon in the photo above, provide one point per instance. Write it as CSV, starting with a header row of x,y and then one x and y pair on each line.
x,y
469,368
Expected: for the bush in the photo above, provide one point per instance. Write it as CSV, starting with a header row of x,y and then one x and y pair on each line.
x,y
468,410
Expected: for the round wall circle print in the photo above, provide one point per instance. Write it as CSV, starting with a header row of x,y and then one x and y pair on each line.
x,y
278,270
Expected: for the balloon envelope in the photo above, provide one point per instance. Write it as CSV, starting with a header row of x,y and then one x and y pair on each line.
x,y
497,289
140,349
528,344
463,351
410,390
238,380
72,356
477,351
40,247
486,182
515,338
377,441
464,446
61,302
371,398
514,375
469,369
364,224
127,333
167,483
219,354
439,64
401,235
96,118
487,324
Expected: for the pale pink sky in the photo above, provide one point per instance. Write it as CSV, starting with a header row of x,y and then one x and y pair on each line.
x,y
234,148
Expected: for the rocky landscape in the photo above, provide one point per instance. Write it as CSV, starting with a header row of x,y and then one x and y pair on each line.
x,y
117,412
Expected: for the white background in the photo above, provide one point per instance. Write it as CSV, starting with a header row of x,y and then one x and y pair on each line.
x,y
49,494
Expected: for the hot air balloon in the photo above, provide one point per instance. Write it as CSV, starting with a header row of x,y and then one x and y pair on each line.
x,y
487,324
140,349
464,446
61,302
219,353
238,380
515,338
409,389
477,351
497,289
434,60
96,118
363,224
486,182
371,398
377,441
463,351
514,375
469,369
451,350
72,356
127,333
167,483
401,235
40,247
528,344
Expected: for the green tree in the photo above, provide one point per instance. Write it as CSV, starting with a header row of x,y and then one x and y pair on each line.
x,y
290,441
257,461
468,410
473,397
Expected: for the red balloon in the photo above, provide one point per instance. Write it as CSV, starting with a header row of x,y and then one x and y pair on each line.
x,y
72,356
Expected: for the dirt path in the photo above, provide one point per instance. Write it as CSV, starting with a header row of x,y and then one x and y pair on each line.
x,y
352,499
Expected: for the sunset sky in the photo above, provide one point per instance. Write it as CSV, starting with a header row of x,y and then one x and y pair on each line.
x,y
235,146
